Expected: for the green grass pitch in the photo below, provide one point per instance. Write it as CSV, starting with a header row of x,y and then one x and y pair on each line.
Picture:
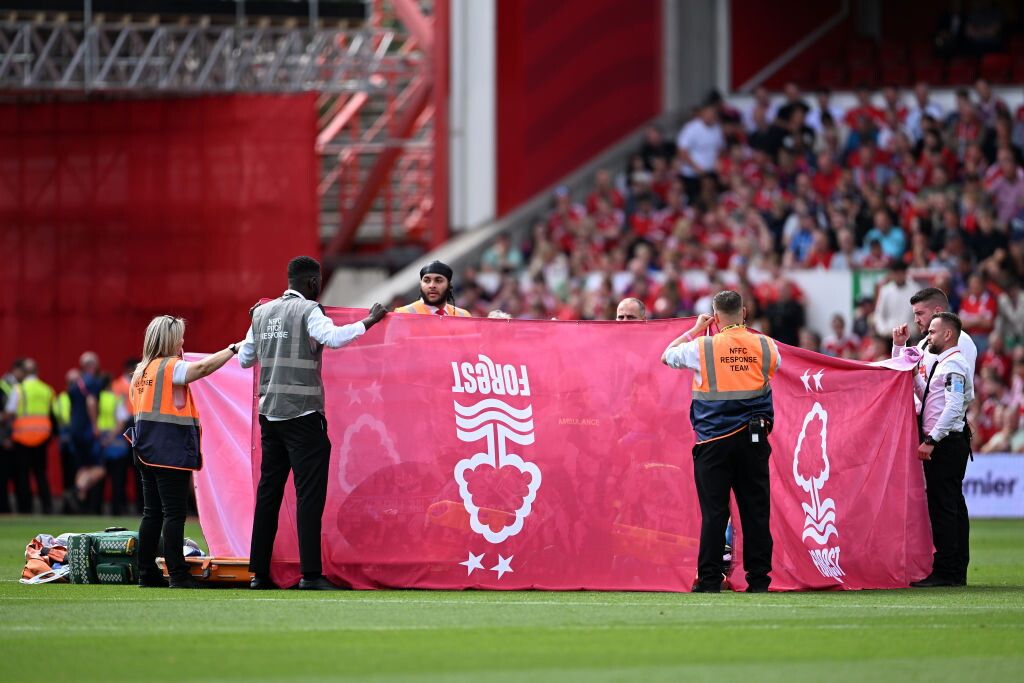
x,y
124,633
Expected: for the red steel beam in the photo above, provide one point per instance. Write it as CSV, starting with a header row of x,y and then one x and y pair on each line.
x,y
439,227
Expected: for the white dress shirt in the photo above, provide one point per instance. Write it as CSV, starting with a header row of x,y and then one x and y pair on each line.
x,y
945,407
967,348
320,329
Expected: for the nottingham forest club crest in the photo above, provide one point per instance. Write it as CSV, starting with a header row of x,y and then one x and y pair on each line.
x,y
811,469
498,485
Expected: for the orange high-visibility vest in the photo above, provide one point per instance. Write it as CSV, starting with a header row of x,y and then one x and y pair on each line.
x,y
736,367
120,387
32,425
164,434
421,308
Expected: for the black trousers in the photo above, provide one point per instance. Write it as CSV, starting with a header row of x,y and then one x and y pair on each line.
x,y
299,445
31,460
947,509
733,463
164,508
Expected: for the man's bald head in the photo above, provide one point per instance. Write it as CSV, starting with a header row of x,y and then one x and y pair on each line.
x,y
630,309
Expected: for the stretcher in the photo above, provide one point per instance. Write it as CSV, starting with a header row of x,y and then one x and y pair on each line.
x,y
218,571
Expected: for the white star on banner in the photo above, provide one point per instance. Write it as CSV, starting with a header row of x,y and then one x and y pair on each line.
x,y
374,391
474,562
504,565
806,379
817,379
353,396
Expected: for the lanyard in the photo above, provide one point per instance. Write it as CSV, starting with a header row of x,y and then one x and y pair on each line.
x,y
927,388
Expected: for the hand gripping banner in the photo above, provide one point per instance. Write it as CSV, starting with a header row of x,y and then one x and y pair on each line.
x,y
476,453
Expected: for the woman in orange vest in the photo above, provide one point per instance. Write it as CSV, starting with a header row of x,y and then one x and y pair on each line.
x,y
165,441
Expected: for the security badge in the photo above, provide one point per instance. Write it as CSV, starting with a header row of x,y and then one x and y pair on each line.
x,y
955,383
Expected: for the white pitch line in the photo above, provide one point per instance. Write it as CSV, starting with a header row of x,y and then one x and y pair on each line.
x,y
681,603
689,626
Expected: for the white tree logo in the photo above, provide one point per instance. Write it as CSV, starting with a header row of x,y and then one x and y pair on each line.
x,y
811,470
498,423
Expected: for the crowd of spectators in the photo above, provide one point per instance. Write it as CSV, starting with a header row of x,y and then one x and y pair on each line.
x,y
89,415
741,199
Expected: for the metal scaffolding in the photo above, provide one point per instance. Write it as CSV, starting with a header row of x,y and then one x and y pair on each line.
x,y
163,58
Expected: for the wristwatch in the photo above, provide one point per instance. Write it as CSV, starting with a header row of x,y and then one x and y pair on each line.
x,y
930,441
233,348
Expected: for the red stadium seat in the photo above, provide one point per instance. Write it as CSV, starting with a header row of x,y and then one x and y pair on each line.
x,y
831,75
1017,74
896,72
1016,46
929,72
891,53
995,67
962,71
922,53
860,50
864,73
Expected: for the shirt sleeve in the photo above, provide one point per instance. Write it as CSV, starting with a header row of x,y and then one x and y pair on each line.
x,y
955,406
970,351
247,351
327,333
180,370
685,355
12,401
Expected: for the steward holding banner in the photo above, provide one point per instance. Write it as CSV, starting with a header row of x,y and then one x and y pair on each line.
x,y
165,438
732,415
287,337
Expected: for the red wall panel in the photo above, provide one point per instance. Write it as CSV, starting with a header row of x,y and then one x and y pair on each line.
x,y
572,77
113,212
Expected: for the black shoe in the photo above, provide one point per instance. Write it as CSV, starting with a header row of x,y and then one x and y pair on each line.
x,y
705,588
262,583
152,581
933,581
318,584
757,589
185,582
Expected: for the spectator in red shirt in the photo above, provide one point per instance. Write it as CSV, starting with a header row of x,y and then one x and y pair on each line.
x,y
839,343
827,177
978,311
603,188
995,358
865,111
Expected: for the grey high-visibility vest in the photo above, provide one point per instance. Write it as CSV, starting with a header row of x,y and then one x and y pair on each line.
x,y
290,381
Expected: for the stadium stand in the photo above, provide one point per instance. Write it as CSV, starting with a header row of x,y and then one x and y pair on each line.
x,y
939,192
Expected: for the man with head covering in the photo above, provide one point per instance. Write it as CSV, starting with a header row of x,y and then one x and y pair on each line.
x,y
436,294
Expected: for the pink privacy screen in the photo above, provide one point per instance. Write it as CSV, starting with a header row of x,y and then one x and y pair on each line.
x,y
533,454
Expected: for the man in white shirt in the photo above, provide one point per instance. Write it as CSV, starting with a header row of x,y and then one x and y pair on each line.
x,y
925,304
891,308
698,146
287,337
945,448
923,107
